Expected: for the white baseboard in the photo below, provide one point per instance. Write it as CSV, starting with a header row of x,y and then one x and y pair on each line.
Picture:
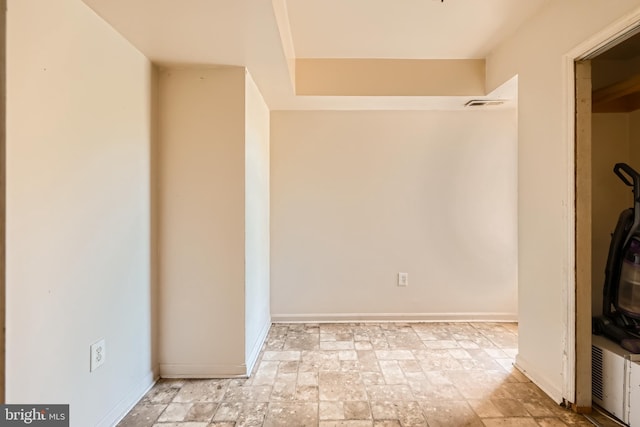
x,y
252,358
118,412
538,379
180,370
394,317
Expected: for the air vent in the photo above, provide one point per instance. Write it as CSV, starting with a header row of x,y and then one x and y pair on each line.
x,y
484,102
596,372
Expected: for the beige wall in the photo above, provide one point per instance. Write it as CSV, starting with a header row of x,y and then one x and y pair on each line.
x,y
536,54
202,221
78,141
3,113
610,145
359,196
257,245
634,139
389,77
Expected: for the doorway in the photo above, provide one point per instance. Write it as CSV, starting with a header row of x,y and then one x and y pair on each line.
x,y
607,131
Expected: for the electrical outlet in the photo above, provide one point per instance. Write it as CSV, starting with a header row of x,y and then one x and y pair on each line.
x,y
98,354
403,279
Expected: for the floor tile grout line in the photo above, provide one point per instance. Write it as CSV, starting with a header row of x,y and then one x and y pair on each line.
x,y
393,337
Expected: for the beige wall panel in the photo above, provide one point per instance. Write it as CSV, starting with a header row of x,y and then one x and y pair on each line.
x,y
358,197
390,77
634,140
257,223
79,124
536,53
202,221
610,145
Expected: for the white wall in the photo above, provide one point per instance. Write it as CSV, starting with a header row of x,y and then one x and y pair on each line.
x,y
359,196
535,54
78,258
257,244
202,221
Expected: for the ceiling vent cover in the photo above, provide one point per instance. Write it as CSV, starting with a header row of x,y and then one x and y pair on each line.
x,y
484,102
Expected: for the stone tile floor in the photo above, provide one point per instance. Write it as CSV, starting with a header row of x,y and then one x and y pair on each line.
x,y
365,375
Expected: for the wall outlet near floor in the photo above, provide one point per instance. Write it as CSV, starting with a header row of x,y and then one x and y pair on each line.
x,y
403,279
98,354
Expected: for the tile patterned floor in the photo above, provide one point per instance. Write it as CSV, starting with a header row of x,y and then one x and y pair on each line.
x,y
366,375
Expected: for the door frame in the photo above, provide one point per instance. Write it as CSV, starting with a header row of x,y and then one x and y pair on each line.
x,y
577,308
3,113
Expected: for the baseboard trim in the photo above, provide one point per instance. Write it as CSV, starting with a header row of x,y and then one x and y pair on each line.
x,y
122,408
257,346
180,370
538,379
393,317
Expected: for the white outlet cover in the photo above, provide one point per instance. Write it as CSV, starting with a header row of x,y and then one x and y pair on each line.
x,y
98,354
403,279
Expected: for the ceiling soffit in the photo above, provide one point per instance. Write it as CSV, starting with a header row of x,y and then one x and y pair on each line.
x,y
383,48
390,77
275,41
